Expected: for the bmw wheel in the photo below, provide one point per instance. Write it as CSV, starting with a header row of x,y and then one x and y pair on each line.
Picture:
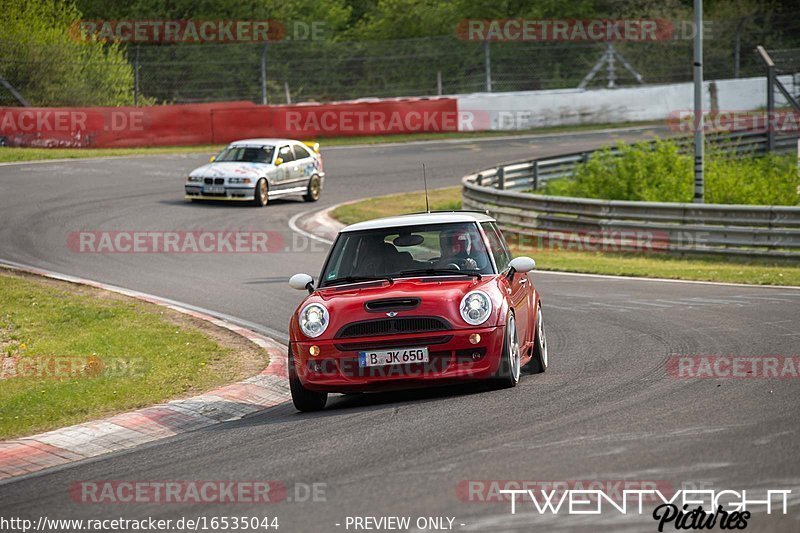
x,y
314,189
261,196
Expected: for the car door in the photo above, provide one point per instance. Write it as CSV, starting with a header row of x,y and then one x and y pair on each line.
x,y
519,285
305,165
286,171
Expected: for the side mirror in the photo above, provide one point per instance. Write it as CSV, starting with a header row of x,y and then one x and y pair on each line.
x,y
213,158
278,161
521,264
302,282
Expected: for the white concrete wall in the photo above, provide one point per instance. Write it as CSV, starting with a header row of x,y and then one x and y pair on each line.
x,y
532,109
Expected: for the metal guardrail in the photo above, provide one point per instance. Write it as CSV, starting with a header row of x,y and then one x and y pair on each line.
x,y
612,225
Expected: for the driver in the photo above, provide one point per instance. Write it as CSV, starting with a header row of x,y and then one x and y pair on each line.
x,y
456,249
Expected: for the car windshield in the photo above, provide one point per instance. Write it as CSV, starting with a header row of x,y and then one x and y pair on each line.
x,y
435,249
246,154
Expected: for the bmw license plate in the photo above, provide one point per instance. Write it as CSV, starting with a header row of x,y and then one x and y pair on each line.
x,y
397,356
214,189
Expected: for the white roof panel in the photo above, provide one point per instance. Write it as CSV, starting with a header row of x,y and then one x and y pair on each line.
x,y
419,219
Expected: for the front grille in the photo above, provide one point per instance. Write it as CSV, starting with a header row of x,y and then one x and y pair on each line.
x,y
208,181
214,181
392,326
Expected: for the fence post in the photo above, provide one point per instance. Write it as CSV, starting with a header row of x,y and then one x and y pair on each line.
x,y
487,65
439,82
535,164
136,78
501,177
264,74
770,107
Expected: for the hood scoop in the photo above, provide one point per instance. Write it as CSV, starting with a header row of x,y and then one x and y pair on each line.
x,y
391,304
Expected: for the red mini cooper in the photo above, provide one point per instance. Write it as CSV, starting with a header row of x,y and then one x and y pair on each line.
x,y
415,300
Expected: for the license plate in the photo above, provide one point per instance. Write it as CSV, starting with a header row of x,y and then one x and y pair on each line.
x,y
392,357
214,189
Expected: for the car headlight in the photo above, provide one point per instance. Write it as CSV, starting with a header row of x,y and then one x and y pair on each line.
x,y
239,180
314,320
194,178
476,306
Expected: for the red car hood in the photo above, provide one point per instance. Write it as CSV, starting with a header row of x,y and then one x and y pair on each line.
x,y
439,296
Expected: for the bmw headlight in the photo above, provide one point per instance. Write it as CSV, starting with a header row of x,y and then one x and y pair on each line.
x,y
239,180
194,178
476,306
314,320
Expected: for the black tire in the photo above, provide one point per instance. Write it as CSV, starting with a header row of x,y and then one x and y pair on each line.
x,y
304,400
508,373
314,189
261,193
539,361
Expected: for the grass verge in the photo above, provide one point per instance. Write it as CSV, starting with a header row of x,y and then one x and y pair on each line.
x,y
11,155
70,353
731,270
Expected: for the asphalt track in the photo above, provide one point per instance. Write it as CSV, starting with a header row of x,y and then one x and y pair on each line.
x,y
607,409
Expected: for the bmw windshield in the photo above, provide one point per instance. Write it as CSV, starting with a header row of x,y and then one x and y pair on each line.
x,y
246,154
388,253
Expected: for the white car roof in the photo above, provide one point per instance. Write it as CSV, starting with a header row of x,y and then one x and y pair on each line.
x,y
263,142
419,219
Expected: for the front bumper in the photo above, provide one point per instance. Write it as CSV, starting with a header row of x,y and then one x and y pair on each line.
x,y
195,192
452,358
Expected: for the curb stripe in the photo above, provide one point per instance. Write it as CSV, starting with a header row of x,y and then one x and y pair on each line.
x,y
28,455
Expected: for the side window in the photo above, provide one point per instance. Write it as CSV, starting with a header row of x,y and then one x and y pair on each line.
x,y
498,245
286,154
301,152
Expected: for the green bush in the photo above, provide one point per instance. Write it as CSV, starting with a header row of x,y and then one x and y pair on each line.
x,y
44,61
659,172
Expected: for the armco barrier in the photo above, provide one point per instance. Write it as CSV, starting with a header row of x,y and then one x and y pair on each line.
x,y
194,124
538,220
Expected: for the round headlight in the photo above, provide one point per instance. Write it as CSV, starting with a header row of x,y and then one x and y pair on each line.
x,y
314,320
476,306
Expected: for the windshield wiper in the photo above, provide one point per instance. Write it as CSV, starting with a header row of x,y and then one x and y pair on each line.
x,y
356,279
438,272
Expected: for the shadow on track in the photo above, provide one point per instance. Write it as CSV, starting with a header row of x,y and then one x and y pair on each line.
x,y
347,405
226,203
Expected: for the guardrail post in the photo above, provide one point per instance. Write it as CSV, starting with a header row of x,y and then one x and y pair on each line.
x,y
535,167
479,180
501,178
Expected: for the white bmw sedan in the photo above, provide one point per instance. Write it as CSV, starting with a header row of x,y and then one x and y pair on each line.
x,y
258,170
